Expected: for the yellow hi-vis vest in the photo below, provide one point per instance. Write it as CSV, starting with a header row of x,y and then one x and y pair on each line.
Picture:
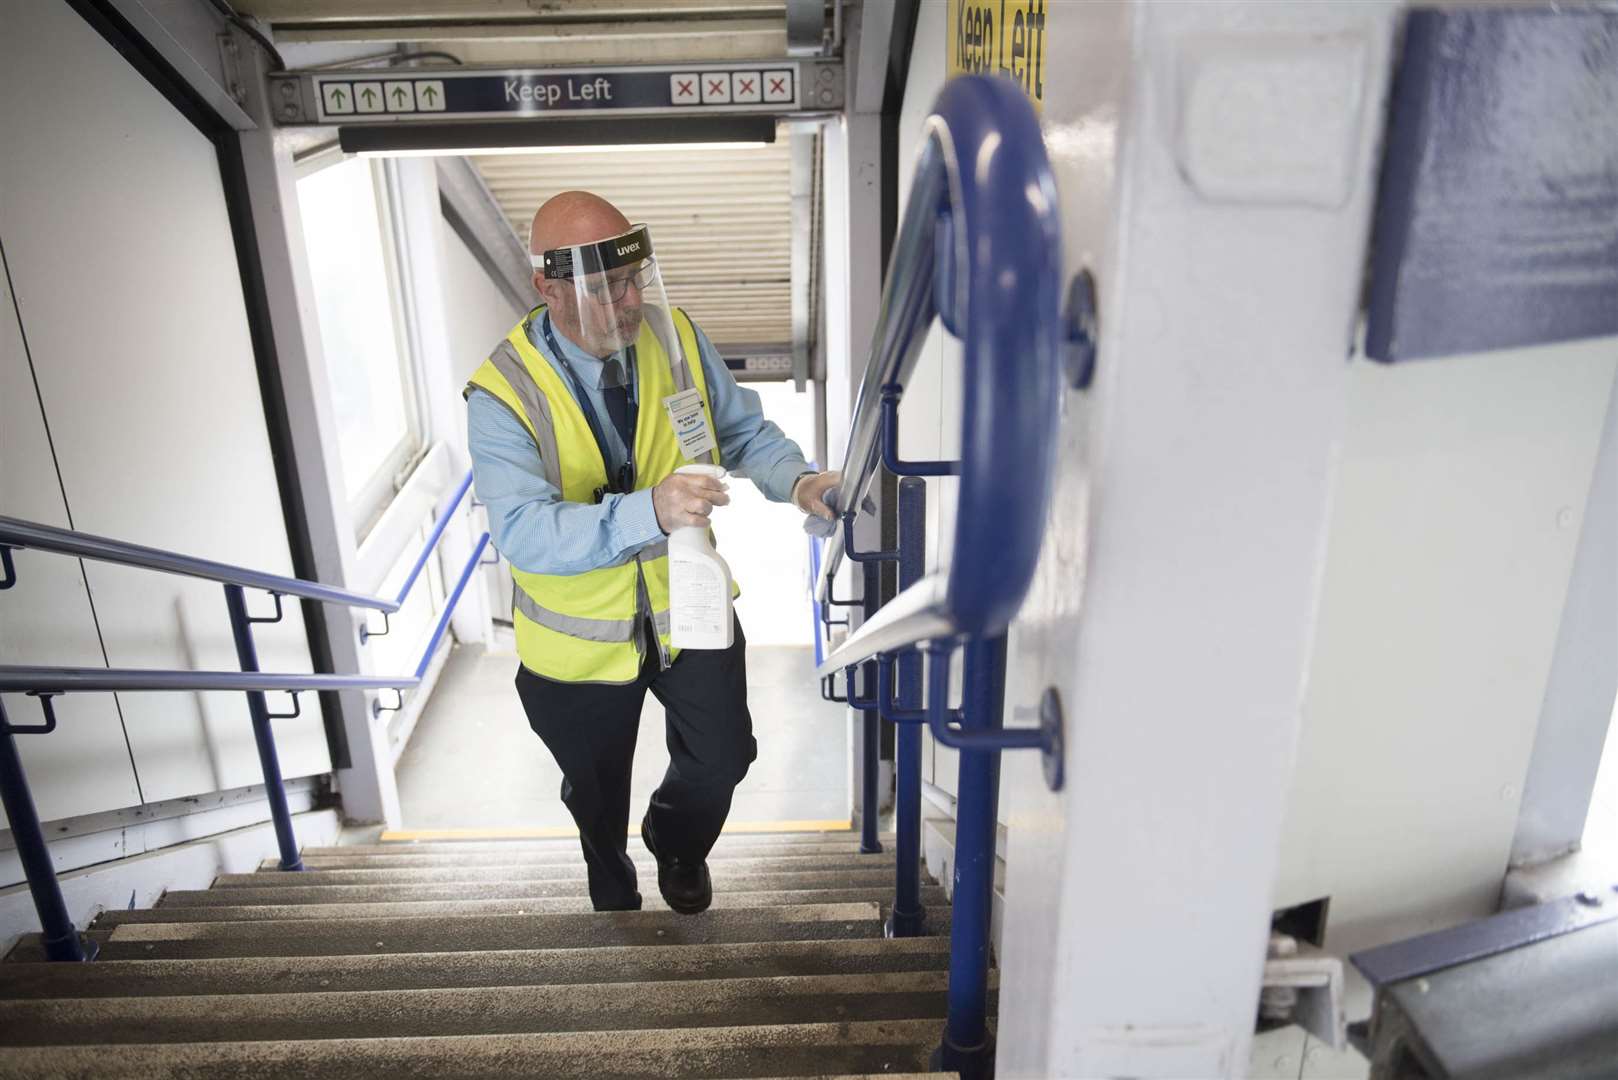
x,y
587,627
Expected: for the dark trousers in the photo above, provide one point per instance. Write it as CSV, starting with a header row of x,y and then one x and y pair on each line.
x,y
590,730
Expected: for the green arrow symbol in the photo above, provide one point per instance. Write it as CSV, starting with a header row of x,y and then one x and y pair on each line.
x,y
337,97
431,94
369,95
398,95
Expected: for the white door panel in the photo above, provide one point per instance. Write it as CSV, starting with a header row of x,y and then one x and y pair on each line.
x,y
45,619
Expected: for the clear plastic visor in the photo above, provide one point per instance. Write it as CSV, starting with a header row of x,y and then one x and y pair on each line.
x,y
608,292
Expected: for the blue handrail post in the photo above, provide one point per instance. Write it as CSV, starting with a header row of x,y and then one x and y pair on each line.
x,y
61,939
870,758
966,1047
909,917
241,627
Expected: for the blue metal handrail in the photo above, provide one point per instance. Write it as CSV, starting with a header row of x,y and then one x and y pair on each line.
x,y
71,680
44,683
445,515
979,247
15,533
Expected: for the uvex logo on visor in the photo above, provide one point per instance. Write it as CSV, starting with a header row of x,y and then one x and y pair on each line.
x,y
608,254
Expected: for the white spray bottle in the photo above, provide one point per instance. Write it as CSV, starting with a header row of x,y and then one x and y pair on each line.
x,y
699,585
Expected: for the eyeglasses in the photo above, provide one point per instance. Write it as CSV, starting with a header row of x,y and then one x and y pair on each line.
x,y
611,290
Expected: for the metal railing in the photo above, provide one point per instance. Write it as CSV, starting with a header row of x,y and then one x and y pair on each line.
x,y
61,940
980,248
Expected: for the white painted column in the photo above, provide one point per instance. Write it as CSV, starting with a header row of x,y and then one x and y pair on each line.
x,y
367,785
1216,163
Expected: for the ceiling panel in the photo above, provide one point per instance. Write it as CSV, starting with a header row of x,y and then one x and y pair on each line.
x,y
721,223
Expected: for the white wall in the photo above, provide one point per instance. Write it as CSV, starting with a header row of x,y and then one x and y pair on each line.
x,y
122,261
477,313
764,542
477,316
1456,519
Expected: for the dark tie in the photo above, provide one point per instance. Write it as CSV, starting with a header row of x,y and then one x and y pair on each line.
x,y
617,398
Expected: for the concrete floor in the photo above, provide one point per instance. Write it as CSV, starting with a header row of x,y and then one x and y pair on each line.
x,y
473,762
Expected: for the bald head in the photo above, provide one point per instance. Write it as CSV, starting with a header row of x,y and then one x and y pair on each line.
x,y
574,217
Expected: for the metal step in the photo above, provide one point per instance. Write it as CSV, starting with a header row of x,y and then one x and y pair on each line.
x,y
881,1048
450,970
500,1010
723,900
573,860
268,889
350,937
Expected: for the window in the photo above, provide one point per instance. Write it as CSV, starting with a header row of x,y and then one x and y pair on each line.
x,y
367,366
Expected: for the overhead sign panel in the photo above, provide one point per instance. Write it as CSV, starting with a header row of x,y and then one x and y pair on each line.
x,y
372,96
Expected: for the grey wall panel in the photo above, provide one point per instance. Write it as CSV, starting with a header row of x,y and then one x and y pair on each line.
x,y
45,619
121,254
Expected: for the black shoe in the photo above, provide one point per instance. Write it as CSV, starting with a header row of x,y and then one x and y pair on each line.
x,y
686,887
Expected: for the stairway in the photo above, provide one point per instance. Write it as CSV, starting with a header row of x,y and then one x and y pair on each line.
x,y
484,959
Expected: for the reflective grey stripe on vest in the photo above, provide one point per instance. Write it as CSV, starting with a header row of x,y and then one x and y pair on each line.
x,y
660,620
509,364
681,368
612,631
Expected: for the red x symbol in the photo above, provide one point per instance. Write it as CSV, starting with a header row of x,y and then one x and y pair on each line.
x,y
778,86
715,85
685,87
747,86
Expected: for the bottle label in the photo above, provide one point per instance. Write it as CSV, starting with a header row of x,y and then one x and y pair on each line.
x,y
697,598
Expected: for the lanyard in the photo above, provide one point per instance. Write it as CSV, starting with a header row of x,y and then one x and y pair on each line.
x,y
626,472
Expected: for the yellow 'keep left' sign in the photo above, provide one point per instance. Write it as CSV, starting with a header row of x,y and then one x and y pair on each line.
x,y
999,37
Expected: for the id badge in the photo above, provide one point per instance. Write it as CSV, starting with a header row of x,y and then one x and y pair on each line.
x,y
691,425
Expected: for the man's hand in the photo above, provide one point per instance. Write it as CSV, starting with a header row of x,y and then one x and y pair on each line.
x,y
685,499
809,493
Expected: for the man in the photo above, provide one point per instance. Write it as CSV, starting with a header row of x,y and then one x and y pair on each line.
x,y
572,426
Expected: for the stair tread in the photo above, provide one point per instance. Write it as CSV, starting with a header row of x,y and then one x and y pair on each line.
x,y
270,873
598,1007
454,933
267,889
845,843
572,858
723,900
856,1048
450,970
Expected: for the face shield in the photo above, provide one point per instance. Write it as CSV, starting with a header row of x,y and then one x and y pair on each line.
x,y
617,294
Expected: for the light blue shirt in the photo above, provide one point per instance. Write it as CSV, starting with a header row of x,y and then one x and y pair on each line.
x,y
538,532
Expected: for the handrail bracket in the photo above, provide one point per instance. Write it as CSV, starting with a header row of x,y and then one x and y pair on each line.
x,y
45,728
890,442
854,553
